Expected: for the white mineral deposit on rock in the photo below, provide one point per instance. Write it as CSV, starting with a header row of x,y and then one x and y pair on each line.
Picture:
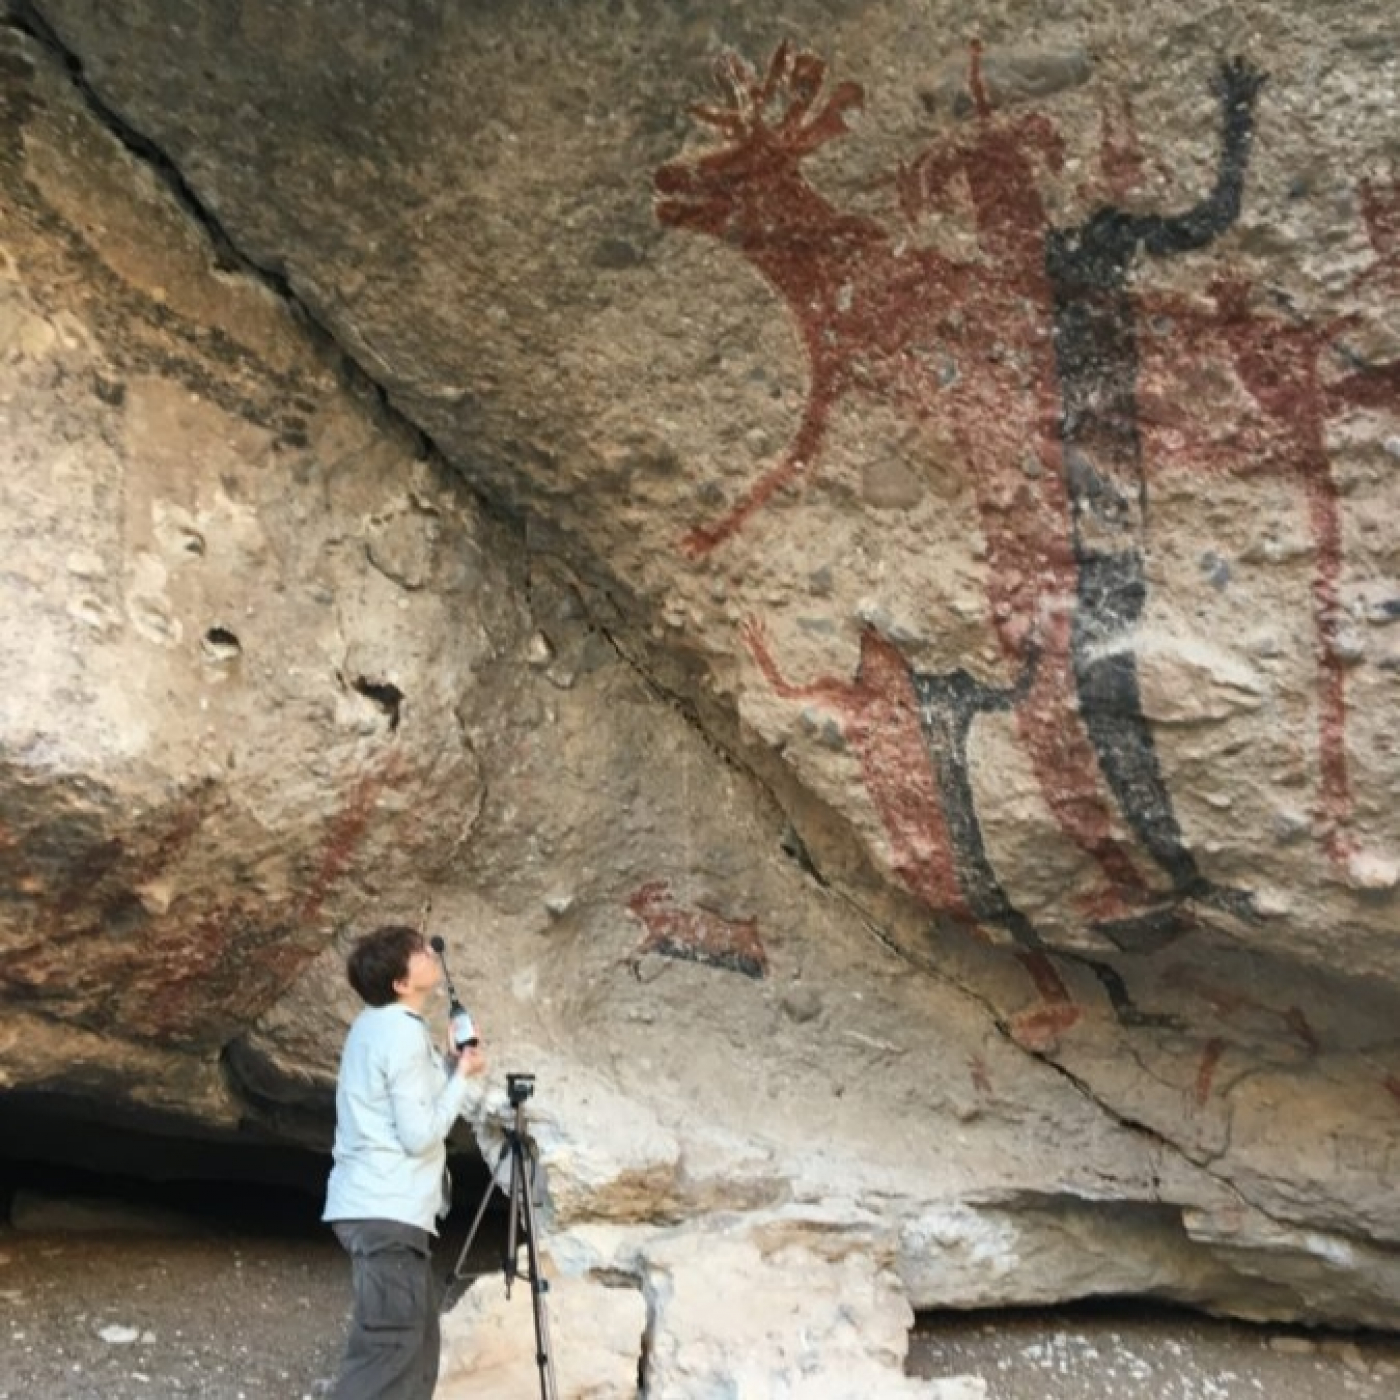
x,y
1370,871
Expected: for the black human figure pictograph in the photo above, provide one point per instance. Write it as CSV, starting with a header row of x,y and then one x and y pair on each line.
x,y
1096,356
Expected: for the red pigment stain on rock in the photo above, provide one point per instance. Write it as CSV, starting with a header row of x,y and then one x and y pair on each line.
x,y
696,934
1205,1072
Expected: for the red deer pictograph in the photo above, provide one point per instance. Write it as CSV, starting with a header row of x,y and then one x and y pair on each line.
x,y
872,311
1026,356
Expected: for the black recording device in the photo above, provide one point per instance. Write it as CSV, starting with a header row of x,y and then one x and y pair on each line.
x,y
458,1017
519,1087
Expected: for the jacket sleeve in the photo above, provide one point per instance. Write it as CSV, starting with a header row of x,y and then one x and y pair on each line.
x,y
423,1099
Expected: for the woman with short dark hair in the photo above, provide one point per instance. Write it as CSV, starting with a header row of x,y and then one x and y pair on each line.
x,y
396,1101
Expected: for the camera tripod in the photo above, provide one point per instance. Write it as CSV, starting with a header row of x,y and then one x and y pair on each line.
x,y
520,1227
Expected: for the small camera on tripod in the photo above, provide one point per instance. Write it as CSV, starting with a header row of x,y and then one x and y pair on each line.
x,y
519,1087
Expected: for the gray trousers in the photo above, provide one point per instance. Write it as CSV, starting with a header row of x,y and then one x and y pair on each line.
x,y
393,1349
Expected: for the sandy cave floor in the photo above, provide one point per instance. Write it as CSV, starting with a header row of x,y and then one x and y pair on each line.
x,y
233,1314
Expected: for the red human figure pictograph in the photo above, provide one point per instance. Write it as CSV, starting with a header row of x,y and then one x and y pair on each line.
x,y
995,164
1380,211
962,346
994,158
1211,1054
1286,365
1234,1006
1279,363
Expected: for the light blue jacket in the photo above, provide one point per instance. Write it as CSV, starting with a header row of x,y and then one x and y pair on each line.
x,y
395,1101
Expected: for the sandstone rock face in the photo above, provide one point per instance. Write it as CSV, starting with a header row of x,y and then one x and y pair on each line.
x,y
856,574
234,601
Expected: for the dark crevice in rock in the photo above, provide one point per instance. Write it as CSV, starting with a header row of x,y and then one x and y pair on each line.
x,y
679,700
221,645
387,696
795,849
650,1332
1112,1328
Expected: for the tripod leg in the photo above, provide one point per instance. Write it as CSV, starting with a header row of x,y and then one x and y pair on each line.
x,y
459,1268
539,1286
514,1146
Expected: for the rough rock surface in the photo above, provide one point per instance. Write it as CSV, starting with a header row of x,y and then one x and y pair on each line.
x,y
855,574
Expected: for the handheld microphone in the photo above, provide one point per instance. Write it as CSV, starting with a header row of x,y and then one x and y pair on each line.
x,y
458,1018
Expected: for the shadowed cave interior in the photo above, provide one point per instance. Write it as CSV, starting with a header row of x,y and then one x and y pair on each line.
x,y
57,1148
